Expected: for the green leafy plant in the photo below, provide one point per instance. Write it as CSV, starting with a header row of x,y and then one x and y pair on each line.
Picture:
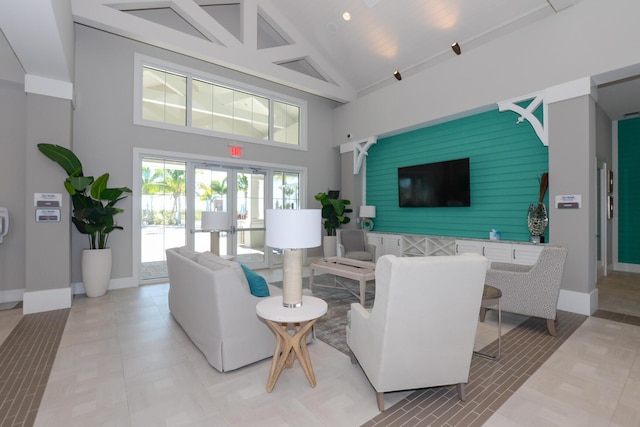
x,y
333,212
93,202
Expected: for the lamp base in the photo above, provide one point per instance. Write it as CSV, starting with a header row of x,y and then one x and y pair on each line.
x,y
292,278
366,224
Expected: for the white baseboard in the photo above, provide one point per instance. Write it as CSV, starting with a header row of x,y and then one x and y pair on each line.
x,y
121,283
578,302
47,300
11,295
629,268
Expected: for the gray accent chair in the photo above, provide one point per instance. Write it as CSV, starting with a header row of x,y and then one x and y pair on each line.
x,y
353,244
422,327
531,290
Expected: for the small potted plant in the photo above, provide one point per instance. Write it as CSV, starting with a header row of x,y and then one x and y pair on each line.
x,y
334,212
93,214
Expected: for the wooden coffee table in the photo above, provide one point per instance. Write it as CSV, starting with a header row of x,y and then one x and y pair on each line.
x,y
362,271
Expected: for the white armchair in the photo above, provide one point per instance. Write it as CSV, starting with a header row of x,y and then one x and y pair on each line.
x,y
531,290
422,327
353,244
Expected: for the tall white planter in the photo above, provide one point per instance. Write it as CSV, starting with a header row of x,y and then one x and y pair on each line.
x,y
96,271
330,246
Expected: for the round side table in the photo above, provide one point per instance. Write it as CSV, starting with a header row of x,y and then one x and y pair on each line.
x,y
288,346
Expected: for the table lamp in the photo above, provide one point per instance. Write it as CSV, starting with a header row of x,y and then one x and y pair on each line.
x,y
215,222
366,213
293,230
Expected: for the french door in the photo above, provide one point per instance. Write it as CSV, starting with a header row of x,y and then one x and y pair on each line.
x,y
175,192
241,194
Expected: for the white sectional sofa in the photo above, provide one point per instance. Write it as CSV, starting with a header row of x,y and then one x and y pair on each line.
x,y
209,297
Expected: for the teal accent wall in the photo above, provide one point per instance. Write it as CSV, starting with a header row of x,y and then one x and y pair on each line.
x,y
506,160
628,191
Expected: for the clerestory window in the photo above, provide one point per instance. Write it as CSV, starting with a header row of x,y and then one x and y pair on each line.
x,y
183,99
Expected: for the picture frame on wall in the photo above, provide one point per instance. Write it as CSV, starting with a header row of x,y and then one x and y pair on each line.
x,y
610,180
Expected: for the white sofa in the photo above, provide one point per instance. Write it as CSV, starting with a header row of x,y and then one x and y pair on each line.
x,y
210,299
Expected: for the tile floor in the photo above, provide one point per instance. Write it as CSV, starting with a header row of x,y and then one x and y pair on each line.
x,y
123,361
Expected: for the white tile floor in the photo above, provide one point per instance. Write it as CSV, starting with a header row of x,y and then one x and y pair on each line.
x,y
124,362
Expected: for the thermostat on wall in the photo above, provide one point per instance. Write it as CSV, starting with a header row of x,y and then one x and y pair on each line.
x,y
571,201
47,215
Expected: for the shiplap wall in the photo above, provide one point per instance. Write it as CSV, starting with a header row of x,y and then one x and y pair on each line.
x,y
628,191
506,160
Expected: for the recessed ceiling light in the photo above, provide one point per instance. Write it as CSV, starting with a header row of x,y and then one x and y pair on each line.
x,y
346,16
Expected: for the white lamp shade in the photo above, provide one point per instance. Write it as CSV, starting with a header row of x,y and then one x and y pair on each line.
x,y
216,221
293,228
367,212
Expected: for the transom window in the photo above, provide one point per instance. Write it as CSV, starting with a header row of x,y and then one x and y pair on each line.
x,y
172,98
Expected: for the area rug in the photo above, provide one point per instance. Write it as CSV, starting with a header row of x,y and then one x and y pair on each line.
x,y
331,328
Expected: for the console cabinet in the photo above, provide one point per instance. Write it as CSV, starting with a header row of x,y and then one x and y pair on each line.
x,y
516,253
412,245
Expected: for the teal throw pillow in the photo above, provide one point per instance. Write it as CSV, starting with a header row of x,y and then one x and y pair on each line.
x,y
257,284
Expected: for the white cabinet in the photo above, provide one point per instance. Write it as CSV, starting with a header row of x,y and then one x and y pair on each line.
x,y
525,254
412,245
385,244
497,252
501,251
469,246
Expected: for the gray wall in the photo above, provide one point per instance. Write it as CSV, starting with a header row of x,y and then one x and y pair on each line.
x,y
572,170
12,182
104,134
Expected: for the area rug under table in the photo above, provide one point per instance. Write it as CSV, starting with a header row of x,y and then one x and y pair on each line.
x,y
331,328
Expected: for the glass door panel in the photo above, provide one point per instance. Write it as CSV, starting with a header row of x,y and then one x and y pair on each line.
x,y
286,195
162,206
210,196
249,218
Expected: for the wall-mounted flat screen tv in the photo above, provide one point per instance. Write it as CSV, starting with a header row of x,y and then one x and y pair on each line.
x,y
441,184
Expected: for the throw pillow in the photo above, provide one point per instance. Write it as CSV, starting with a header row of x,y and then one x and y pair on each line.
x,y
257,284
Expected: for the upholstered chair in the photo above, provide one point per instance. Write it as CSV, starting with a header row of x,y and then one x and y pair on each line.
x,y
531,290
422,327
353,244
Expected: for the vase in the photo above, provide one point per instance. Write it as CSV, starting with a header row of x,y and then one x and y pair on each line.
x,y
330,246
96,271
537,219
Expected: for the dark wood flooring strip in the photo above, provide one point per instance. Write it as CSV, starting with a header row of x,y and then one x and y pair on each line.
x,y
26,359
617,317
524,349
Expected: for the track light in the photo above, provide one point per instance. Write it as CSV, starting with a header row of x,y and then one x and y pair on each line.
x,y
397,75
456,48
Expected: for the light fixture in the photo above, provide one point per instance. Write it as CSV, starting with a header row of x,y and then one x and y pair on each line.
x,y
367,212
397,75
456,48
346,16
293,230
215,222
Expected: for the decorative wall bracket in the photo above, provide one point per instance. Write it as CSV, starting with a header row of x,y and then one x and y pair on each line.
x,y
360,152
527,113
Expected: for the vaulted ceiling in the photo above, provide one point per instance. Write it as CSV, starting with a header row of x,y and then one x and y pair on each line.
x,y
309,44
305,44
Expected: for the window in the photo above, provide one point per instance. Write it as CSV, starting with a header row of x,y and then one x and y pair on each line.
x,y
178,97
164,97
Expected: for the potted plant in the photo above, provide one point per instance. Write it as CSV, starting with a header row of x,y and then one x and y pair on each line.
x,y
93,214
333,213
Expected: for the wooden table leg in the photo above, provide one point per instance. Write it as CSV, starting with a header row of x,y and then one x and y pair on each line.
x,y
363,290
288,347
